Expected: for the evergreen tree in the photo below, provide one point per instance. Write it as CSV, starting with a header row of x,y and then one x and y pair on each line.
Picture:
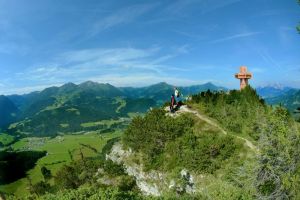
x,y
279,162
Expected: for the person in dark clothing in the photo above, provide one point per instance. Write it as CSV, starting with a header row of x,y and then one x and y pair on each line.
x,y
173,103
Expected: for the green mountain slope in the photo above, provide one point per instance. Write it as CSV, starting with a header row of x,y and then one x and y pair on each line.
x,y
272,91
161,92
290,99
58,110
8,111
64,109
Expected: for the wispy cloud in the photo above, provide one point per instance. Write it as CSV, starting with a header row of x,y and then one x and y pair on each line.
x,y
27,89
257,70
189,35
141,79
268,59
236,36
86,64
212,5
122,16
205,6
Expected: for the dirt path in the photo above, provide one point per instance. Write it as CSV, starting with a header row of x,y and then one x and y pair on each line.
x,y
185,109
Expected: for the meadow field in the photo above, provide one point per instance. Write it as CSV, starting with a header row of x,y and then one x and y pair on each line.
x,y
60,151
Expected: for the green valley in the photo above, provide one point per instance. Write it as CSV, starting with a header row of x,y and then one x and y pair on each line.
x,y
61,150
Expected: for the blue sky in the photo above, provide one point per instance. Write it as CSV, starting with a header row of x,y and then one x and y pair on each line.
x,y
137,43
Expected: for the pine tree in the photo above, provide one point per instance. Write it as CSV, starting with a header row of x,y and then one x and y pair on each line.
x,y
279,162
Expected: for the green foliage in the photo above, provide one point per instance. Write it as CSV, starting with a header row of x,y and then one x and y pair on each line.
x,y
278,172
93,194
204,153
155,130
83,171
40,188
240,112
14,165
243,112
227,191
46,173
112,168
127,183
6,139
170,143
67,177
76,173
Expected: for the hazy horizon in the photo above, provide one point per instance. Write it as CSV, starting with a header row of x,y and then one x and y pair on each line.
x,y
50,43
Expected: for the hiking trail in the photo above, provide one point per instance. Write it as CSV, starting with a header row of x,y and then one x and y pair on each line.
x,y
185,109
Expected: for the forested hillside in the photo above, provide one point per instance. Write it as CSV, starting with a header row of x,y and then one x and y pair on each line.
x,y
66,109
161,92
290,100
8,111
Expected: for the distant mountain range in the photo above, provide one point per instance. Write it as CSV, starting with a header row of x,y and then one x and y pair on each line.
x,y
161,92
276,95
272,91
64,109
289,99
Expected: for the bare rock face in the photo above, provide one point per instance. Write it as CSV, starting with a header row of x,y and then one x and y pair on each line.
x,y
152,182
147,182
189,184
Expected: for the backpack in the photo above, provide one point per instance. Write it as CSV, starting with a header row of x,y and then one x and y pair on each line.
x,y
177,93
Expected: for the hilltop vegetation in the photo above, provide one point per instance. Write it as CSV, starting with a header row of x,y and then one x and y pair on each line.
x,y
270,173
170,143
276,134
239,112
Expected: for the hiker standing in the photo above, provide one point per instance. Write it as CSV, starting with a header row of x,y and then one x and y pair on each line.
x,y
177,97
173,102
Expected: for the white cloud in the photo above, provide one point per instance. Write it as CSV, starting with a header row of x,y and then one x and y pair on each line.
x,y
140,80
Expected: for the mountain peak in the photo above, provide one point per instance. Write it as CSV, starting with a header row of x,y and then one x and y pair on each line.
x,y
69,84
209,84
89,83
161,83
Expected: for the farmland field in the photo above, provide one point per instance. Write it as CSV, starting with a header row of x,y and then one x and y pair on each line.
x,y
6,139
60,151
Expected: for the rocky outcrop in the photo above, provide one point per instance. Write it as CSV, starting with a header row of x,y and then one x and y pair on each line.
x,y
152,182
